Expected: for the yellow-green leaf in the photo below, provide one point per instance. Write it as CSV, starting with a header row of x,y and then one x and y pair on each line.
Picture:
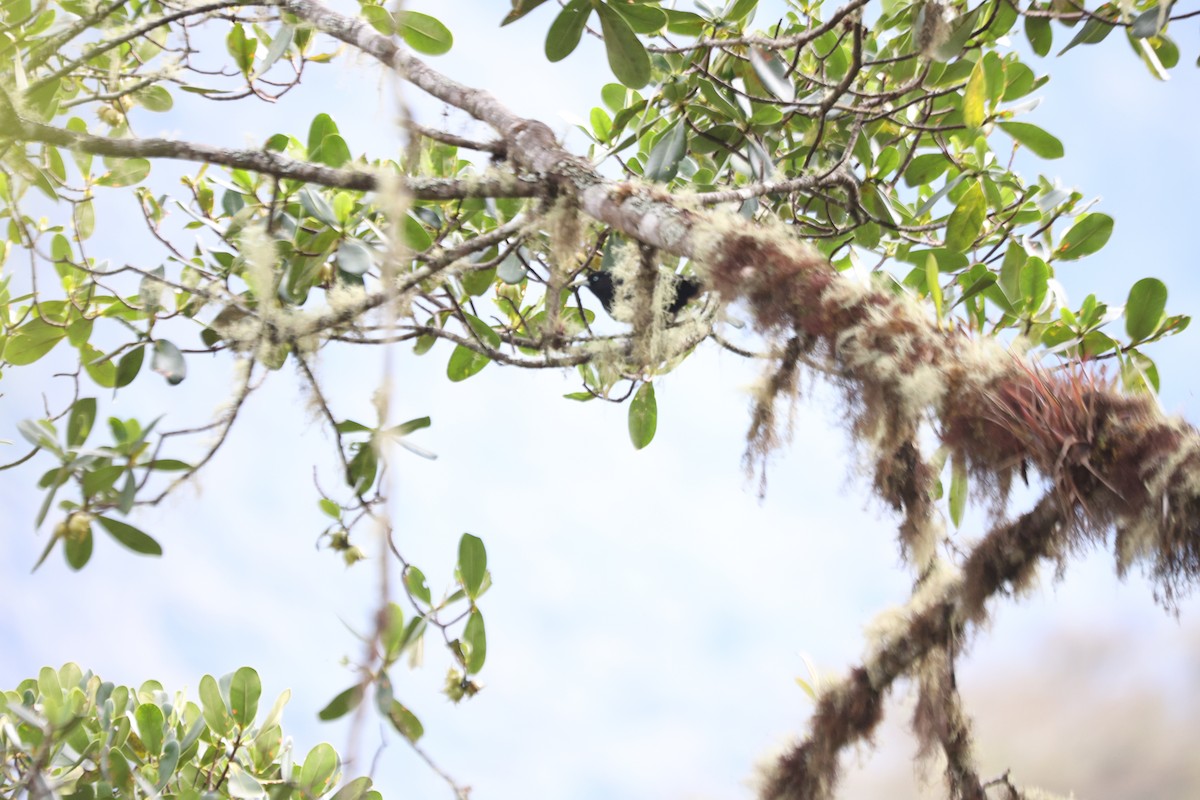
x,y
966,221
423,33
643,416
973,97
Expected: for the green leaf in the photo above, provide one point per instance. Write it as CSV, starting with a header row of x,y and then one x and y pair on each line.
x,y
380,18
168,362
415,236
242,785
167,763
319,766
216,714
1093,31
85,218
124,171
966,221
1037,30
241,47
1019,81
424,344
355,257
363,469
643,416
149,718
973,97
129,366
1037,140
684,23
98,366
279,45
406,722
1150,22
567,28
993,76
1089,233
343,704
645,19
958,488
476,282
79,424
244,692
472,563
49,685
1138,371
131,537
423,33
155,98
325,146
475,636
392,633
357,789
40,433
99,481
626,55
977,285
511,270
78,550
1010,271
519,9
313,203
739,9
413,425
924,169
663,161
1035,277
334,151
465,362
482,330
31,341
414,581
1145,307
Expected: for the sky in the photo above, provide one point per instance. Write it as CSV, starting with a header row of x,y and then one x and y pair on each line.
x,y
649,613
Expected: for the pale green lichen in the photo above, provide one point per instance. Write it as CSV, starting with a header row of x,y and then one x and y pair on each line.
x,y
627,263
260,260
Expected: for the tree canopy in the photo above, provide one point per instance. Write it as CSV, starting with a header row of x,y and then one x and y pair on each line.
x,y
826,190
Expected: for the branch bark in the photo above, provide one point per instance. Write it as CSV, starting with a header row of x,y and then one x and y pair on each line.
x,y
13,126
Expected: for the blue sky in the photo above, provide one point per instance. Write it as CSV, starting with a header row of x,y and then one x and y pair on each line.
x,y
649,614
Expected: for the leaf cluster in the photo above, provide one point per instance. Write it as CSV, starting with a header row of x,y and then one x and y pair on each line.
x,y
67,733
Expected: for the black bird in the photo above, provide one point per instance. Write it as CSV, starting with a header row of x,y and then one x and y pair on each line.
x,y
687,289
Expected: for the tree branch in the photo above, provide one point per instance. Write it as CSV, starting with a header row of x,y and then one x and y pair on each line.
x,y
850,711
13,126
